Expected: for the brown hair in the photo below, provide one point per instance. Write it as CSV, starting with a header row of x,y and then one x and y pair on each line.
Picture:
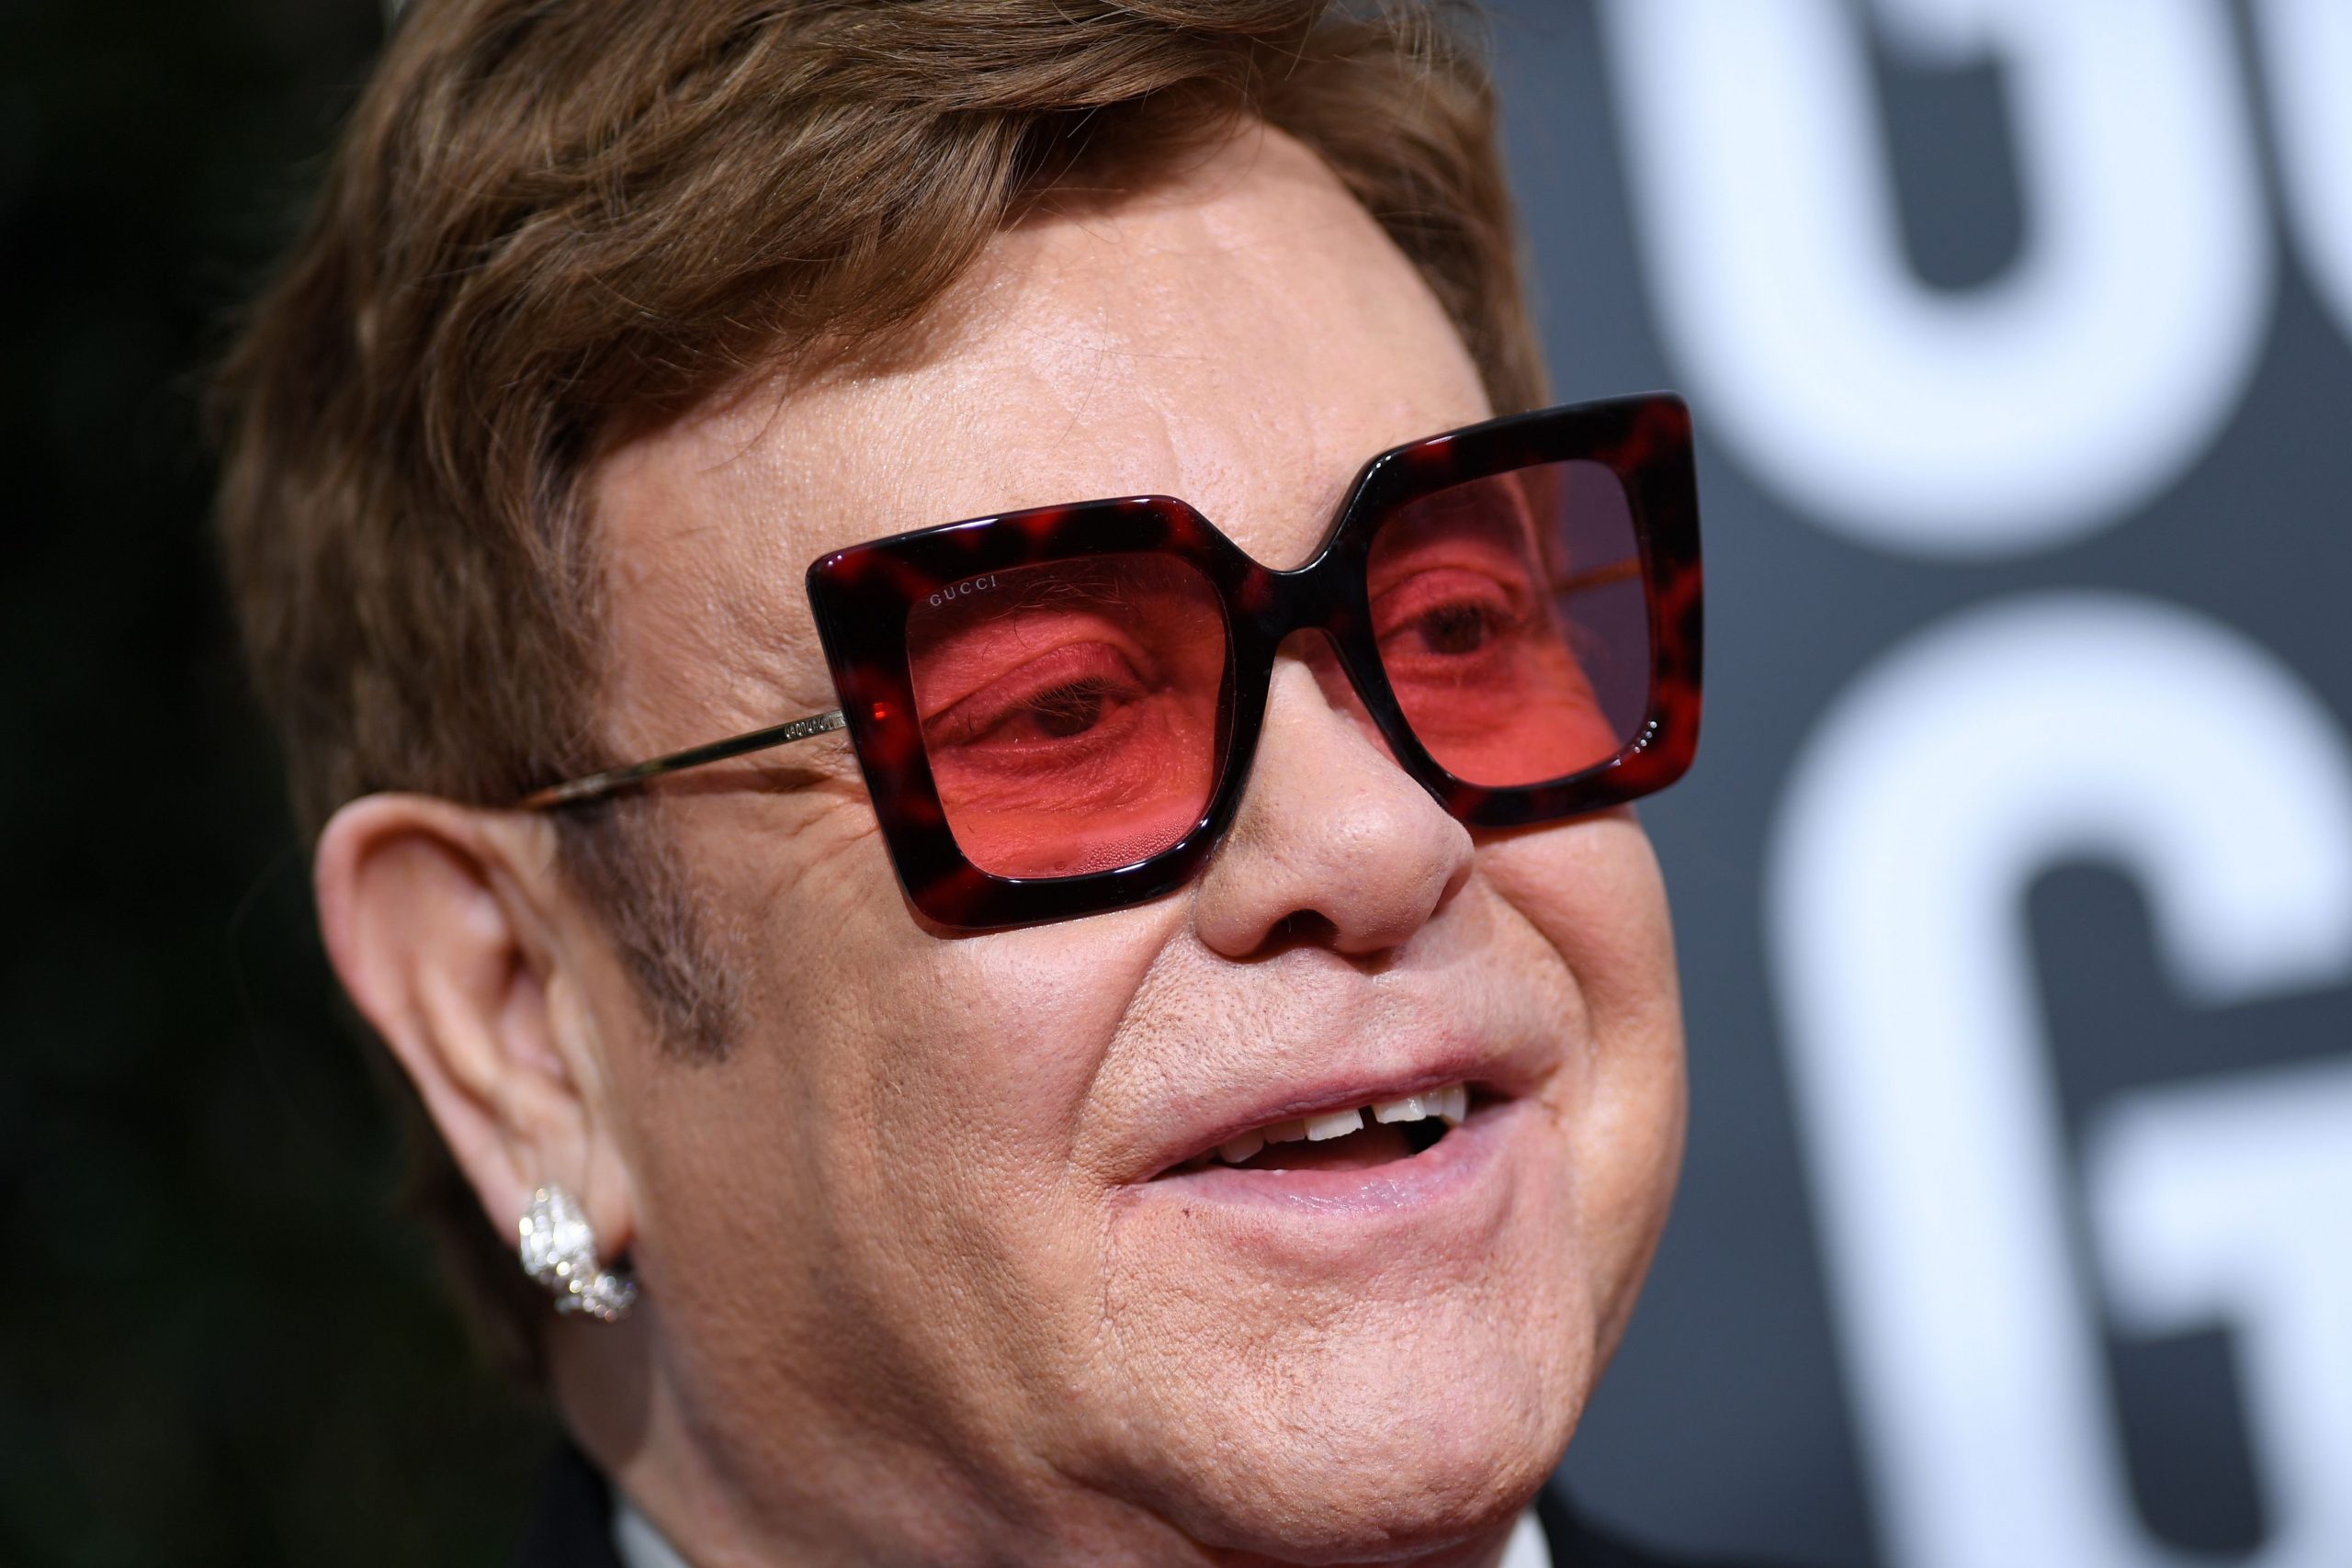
x,y
550,217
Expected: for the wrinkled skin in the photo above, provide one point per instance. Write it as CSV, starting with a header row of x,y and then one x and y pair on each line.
x,y
908,1292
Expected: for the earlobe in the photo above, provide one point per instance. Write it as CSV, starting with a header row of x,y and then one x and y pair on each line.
x,y
438,919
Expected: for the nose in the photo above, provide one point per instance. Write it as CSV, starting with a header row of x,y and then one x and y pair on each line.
x,y
1330,827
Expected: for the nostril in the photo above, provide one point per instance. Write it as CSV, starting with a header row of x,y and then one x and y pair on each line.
x,y
1303,928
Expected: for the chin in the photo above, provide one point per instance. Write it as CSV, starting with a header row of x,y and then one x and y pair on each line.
x,y
1382,1439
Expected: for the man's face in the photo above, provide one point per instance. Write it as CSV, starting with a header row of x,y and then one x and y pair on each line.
x,y
925,1224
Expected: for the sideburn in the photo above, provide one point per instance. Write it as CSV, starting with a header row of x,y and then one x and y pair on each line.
x,y
622,859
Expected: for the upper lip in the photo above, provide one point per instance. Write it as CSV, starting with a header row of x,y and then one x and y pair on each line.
x,y
1224,1112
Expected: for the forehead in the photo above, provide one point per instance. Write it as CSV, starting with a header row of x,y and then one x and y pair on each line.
x,y
1243,336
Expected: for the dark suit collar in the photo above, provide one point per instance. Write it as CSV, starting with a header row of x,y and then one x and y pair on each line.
x,y
571,1522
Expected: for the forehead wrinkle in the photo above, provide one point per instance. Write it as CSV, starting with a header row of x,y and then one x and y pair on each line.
x,y
1139,407
1266,469
1018,417
1068,315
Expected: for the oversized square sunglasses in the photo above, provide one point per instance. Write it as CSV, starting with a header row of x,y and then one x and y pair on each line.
x,y
1055,709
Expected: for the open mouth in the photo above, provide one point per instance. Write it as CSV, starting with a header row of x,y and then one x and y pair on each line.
x,y
1346,1138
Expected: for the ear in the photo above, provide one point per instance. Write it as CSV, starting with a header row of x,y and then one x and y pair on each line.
x,y
444,924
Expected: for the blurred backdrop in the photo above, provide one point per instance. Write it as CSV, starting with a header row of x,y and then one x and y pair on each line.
x,y
2015,884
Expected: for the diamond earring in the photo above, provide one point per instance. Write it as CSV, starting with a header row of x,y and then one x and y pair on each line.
x,y
559,1251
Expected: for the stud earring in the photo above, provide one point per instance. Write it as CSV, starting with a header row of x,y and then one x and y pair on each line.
x,y
559,1251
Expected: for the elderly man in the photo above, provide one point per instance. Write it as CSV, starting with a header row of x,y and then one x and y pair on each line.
x,y
1132,1031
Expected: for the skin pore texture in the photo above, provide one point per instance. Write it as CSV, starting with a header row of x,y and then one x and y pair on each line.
x,y
909,1291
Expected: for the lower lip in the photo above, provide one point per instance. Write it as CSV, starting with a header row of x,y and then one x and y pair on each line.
x,y
1446,1172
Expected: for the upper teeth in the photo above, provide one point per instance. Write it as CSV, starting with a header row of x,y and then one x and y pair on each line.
x,y
1336,1125
1451,1103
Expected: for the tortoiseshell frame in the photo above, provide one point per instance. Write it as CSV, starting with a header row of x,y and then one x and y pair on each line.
x,y
861,597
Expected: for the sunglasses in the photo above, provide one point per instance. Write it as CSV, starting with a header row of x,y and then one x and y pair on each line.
x,y
1055,709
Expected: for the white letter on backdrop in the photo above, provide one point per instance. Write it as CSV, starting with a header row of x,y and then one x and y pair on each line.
x,y
2003,420
2231,1203
2306,55
2039,730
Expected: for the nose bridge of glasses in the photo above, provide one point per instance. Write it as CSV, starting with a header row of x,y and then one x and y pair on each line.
x,y
1315,594
1313,616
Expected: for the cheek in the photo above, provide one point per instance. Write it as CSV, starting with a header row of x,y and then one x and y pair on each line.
x,y
900,1108
1593,893
974,1081
955,1074
947,1062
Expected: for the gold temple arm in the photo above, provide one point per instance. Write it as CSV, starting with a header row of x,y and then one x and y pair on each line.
x,y
595,786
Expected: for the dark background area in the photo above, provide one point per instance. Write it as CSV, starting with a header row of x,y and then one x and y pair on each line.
x,y
215,1347
219,1346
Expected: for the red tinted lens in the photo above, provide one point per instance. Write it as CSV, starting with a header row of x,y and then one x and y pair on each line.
x,y
1513,623
1070,710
